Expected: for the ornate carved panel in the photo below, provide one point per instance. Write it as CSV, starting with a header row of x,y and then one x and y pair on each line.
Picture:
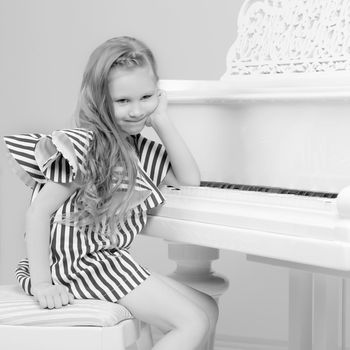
x,y
291,36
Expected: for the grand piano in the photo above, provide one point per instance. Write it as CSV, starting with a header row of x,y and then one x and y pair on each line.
x,y
271,138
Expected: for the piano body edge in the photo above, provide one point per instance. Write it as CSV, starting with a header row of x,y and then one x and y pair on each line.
x,y
255,88
335,256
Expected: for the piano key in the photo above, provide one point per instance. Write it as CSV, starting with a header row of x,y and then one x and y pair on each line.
x,y
268,189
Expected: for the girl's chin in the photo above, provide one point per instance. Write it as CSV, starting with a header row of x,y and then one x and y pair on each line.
x,y
133,131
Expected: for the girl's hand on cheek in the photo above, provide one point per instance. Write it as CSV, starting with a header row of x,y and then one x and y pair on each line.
x,y
159,114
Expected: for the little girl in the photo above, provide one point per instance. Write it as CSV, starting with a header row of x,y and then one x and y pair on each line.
x,y
92,188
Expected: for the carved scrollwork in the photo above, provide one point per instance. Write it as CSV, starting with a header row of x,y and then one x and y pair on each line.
x,y
291,36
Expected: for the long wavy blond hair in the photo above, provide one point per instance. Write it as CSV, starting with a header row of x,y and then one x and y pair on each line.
x,y
99,196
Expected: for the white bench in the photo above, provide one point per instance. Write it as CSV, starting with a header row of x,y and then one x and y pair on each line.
x,y
86,324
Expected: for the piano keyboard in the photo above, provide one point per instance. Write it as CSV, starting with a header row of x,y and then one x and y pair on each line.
x,y
290,227
269,196
278,213
278,190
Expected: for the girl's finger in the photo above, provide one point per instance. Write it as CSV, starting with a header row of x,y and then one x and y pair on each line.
x,y
64,298
161,93
42,302
50,304
148,121
57,301
70,298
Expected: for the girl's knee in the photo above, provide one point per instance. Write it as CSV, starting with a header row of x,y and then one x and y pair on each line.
x,y
196,322
213,310
202,318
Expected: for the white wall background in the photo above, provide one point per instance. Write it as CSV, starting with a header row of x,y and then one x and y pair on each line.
x,y
44,47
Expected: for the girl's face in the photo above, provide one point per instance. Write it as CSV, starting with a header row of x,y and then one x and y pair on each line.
x,y
134,95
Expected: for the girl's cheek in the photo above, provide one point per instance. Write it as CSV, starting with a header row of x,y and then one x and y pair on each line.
x,y
152,104
119,111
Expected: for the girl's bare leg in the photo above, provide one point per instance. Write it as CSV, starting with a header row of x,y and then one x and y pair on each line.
x,y
159,303
204,301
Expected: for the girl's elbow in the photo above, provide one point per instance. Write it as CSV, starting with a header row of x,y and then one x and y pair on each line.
x,y
194,180
190,178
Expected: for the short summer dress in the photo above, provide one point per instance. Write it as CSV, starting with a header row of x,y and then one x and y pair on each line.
x,y
82,258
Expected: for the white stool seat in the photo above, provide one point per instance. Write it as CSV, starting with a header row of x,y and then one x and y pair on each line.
x,y
86,324
17,308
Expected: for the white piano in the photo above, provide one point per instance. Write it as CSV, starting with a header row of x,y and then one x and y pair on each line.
x,y
272,139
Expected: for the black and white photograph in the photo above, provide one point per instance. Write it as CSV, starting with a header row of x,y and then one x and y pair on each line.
x,y
175,175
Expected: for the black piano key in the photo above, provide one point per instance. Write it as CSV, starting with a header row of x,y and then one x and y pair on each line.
x,y
267,189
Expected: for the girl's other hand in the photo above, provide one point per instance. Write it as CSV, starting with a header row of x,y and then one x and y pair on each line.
x,y
158,115
52,296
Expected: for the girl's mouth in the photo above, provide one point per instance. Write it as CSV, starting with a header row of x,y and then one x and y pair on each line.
x,y
137,121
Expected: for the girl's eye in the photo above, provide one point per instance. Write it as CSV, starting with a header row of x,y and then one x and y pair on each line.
x,y
122,101
146,97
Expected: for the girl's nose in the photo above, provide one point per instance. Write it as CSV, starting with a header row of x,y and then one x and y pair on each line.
x,y
135,110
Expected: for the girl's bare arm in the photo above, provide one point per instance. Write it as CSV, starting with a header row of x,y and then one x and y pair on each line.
x,y
38,215
184,169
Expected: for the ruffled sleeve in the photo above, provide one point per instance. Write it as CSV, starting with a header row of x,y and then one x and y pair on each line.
x,y
37,158
153,157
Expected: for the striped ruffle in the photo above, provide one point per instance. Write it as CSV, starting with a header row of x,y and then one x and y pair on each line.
x,y
153,157
55,157
37,158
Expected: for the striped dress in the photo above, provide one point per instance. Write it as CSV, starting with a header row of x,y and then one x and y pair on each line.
x,y
84,259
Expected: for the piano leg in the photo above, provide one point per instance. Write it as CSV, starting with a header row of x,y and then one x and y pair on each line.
x,y
194,269
300,310
317,315
328,312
